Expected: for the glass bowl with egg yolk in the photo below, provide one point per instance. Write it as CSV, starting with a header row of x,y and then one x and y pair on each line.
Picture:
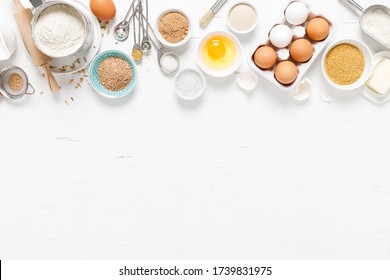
x,y
219,54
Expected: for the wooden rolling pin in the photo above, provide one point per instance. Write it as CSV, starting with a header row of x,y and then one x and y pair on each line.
x,y
23,18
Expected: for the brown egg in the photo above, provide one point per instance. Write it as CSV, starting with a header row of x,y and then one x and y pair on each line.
x,y
265,57
317,29
286,72
301,50
103,9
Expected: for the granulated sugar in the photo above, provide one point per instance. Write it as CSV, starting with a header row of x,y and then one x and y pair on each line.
x,y
344,64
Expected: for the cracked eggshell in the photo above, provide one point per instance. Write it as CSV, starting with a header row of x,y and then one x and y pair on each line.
x,y
303,91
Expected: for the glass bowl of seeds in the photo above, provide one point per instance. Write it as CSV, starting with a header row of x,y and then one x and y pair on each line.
x,y
347,64
113,74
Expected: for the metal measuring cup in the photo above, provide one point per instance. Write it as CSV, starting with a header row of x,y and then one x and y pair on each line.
x,y
162,52
5,88
362,12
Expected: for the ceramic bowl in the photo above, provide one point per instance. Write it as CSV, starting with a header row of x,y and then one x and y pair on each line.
x,y
8,41
196,95
161,38
93,74
367,69
232,28
225,72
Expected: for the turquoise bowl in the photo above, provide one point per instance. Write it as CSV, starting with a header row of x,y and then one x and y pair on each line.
x,y
93,74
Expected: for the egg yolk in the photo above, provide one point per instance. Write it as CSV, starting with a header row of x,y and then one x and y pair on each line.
x,y
216,49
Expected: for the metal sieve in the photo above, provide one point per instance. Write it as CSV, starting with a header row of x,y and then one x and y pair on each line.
x,y
41,5
6,90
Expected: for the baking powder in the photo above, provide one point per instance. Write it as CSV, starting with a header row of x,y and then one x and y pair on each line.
x,y
59,30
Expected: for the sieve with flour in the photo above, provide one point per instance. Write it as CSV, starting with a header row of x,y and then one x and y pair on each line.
x,y
76,44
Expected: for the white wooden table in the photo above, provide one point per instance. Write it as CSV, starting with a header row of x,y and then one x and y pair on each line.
x,y
235,175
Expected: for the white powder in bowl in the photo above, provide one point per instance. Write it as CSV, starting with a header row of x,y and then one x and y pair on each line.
x,y
377,23
169,63
59,30
189,84
242,17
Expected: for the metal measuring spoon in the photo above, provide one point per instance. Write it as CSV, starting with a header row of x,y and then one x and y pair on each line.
x,y
162,52
146,44
363,12
122,30
137,53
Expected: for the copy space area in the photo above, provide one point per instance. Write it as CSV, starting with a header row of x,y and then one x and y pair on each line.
x,y
234,175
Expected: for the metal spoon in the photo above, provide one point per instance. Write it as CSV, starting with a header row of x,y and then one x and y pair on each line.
x,y
146,44
162,52
363,12
137,53
122,30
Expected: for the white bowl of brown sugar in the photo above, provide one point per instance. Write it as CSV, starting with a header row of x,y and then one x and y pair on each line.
x,y
173,28
347,64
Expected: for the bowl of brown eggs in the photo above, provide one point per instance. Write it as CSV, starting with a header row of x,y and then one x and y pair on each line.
x,y
291,46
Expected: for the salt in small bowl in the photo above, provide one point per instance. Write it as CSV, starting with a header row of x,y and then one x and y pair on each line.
x,y
189,84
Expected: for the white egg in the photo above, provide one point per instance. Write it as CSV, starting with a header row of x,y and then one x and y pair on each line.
x,y
281,36
296,13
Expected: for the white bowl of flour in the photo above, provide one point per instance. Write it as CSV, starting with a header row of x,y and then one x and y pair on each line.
x,y
59,30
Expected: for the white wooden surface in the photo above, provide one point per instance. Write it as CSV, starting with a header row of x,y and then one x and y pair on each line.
x,y
234,176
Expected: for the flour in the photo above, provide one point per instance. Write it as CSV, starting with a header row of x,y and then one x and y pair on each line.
x,y
59,30
377,23
242,17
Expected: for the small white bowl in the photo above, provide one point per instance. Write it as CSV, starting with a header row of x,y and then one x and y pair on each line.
x,y
240,31
232,68
161,38
7,40
180,94
367,68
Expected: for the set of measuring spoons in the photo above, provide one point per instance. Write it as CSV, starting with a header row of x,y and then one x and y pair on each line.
x,y
143,42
